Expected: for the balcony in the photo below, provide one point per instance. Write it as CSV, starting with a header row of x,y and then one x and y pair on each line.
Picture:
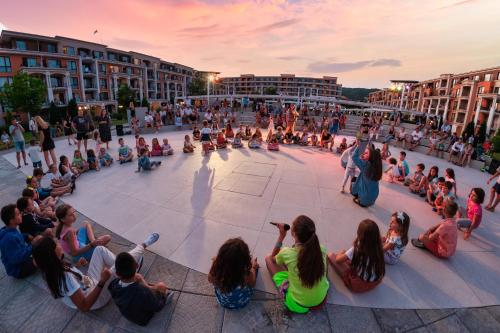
x,y
88,70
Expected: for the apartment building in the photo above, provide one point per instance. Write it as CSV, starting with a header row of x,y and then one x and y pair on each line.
x,y
284,84
90,72
458,98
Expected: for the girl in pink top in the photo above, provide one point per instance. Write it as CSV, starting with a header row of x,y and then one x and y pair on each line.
x,y
156,149
469,218
76,243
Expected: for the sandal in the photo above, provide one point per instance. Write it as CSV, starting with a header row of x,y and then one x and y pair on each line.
x,y
417,243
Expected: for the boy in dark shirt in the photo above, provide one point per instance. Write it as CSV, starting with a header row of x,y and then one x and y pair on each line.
x,y
32,224
137,300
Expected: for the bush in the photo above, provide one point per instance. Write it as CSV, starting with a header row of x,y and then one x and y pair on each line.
x,y
496,144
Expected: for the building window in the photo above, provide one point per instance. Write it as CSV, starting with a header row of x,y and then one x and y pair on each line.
x,y
4,80
51,48
103,83
30,62
5,66
111,56
487,77
74,82
69,50
72,66
102,68
20,45
476,78
53,63
98,54
481,90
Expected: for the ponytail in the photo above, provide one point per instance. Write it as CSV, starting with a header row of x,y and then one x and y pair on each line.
x,y
310,263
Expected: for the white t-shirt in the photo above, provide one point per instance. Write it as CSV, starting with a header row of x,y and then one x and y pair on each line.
x,y
72,283
47,180
148,118
208,116
416,135
349,253
457,147
34,154
5,138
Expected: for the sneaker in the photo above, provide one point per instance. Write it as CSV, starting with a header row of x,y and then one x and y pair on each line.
x,y
151,239
417,243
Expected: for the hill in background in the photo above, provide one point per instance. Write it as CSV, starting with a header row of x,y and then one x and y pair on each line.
x,y
357,94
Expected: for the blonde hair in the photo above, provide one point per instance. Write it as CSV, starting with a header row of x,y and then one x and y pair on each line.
x,y
40,122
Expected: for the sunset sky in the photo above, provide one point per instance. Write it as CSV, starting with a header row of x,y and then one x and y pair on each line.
x,y
363,42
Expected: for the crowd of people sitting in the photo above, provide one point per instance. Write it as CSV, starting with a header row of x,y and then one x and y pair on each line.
x,y
39,232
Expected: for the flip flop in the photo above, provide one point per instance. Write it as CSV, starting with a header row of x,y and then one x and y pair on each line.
x,y
417,243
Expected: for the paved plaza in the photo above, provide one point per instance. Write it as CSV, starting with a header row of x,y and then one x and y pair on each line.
x,y
196,203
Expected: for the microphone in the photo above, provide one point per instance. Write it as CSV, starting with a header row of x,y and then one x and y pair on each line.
x,y
285,225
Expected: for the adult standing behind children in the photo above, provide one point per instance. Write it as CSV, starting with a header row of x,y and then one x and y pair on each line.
x,y
104,127
46,142
16,130
81,125
365,190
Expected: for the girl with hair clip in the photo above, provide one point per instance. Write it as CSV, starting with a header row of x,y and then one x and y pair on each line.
x,y
233,274
396,239
300,271
362,267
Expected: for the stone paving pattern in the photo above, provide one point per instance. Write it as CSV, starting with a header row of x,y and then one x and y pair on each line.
x,y
27,306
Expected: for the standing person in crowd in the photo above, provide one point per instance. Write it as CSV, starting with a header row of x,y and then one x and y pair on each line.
x,y
300,271
68,130
14,246
33,127
362,267
441,239
233,274
350,167
81,125
104,127
34,154
46,143
16,130
77,290
470,216
494,192
365,190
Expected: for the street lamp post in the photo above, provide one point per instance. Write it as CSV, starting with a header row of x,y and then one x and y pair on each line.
x,y
210,78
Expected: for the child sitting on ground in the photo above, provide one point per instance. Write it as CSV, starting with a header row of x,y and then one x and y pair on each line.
x,y
143,162
396,238
269,135
289,136
221,141
188,146
418,183
470,216
248,133
76,243
52,184
404,169
304,140
105,160
92,160
434,189
392,171
34,154
229,131
385,153
33,224
296,138
254,142
79,162
326,139
156,148
314,139
443,196
44,208
273,144
233,274
124,152
166,148
441,239
237,141
362,267
342,146
140,145
196,134
280,136
136,299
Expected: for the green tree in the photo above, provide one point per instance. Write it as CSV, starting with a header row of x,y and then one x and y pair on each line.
x,y
468,131
72,108
25,94
53,113
145,102
125,96
481,135
270,91
197,87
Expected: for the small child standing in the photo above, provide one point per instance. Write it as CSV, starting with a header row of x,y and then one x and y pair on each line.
x,y
166,148
105,160
396,238
206,139
392,170
145,163
470,216
97,140
34,154
188,146
350,167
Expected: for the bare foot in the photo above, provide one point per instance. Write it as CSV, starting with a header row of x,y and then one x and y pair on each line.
x,y
466,235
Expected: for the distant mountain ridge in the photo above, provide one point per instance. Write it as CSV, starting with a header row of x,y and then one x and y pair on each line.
x,y
357,94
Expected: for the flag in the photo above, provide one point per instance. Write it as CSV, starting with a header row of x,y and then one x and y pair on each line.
x,y
95,32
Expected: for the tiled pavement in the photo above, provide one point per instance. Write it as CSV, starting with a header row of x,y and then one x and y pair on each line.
x,y
27,306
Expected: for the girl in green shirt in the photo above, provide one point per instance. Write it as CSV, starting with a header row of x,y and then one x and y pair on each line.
x,y
300,271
